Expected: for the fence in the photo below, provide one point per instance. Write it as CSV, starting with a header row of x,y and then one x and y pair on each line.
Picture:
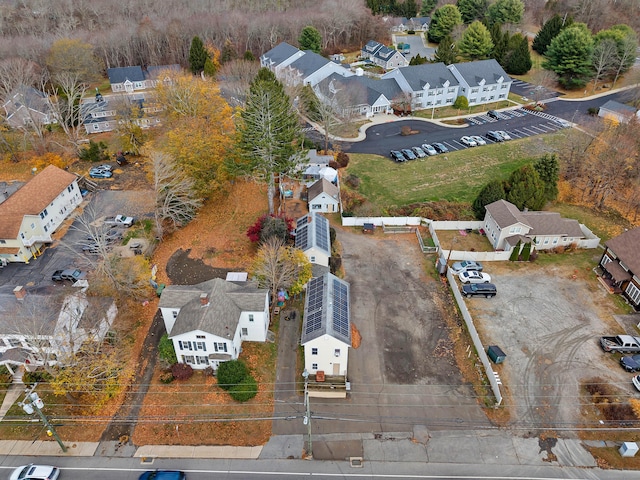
x,y
475,338
381,221
423,247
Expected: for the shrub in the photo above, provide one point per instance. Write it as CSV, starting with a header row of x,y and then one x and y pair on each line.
x,y
334,164
166,351
5,377
461,103
335,262
166,377
37,376
181,371
353,181
593,111
342,159
95,152
245,390
268,226
231,373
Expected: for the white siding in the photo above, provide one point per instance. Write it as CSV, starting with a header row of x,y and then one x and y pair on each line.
x,y
325,359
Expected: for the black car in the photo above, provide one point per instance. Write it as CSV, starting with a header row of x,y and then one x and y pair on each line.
x,y
163,475
493,114
494,136
440,148
631,363
408,153
397,156
479,290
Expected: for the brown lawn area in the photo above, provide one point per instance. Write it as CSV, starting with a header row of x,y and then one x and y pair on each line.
x,y
469,242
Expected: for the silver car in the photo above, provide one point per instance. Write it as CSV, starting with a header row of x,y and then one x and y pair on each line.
x,y
429,150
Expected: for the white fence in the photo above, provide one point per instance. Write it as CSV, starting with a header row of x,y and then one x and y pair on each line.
x,y
380,221
456,225
592,240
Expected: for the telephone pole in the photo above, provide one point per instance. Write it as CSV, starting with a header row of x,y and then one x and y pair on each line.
x,y
33,403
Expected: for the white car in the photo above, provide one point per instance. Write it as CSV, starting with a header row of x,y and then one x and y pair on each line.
x,y
473,276
35,472
428,149
468,141
636,382
479,140
503,134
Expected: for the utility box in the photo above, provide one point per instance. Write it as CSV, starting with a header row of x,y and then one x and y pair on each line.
x,y
628,449
496,354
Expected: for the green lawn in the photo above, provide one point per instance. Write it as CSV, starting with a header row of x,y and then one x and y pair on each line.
x,y
456,176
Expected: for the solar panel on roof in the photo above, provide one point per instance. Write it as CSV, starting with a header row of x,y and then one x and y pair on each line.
x,y
322,239
302,221
302,237
340,308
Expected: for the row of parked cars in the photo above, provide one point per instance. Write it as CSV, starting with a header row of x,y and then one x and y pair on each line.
x,y
425,150
475,282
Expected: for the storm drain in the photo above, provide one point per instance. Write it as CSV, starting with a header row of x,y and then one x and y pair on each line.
x,y
356,462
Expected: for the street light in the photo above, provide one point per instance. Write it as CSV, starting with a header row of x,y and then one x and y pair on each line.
x,y
33,403
307,417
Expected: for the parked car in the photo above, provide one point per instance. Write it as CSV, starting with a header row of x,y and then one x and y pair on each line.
x,y
100,174
162,475
479,290
468,141
104,166
631,363
636,382
503,134
440,148
408,153
35,472
419,152
429,150
68,274
494,136
478,139
466,265
397,156
473,276
493,114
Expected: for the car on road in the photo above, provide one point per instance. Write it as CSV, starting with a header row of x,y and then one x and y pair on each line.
x,y
100,174
408,153
478,139
473,276
429,150
487,290
397,156
35,472
636,382
493,114
468,141
631,363
440,148
68,274
503,134
419,152
162,475
494,136
465,265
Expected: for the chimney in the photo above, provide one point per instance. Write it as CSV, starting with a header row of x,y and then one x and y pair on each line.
x,y
20,293
204,299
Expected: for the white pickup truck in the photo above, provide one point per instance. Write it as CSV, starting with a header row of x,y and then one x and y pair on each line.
x,y
120,220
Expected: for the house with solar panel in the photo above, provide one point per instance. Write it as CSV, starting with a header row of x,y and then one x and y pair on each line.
x,y
326,335
313,238
208,322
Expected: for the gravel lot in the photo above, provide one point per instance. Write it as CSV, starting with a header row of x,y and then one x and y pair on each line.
x,y
549,325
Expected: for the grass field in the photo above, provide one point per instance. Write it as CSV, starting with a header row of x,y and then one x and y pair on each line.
x,y
456,177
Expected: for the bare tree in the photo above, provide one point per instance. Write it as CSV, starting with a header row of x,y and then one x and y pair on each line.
x,y
15,72
234,78
65,102
604,59
625,54
176,200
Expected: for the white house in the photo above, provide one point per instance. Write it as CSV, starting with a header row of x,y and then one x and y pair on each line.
x,y
313,238
279,57
482,81
357,95
209,321
430,85
618,112
326,328
35,211
28,106
323,196
104,113
505,225
383,56
309,69
38,328
130,79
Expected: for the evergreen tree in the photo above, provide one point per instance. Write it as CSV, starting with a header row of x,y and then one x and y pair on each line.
x,y
310,39
210,69
569,56
548,170
491,192
476,42
548,32
447,51
418,60
197,55
500,43
410,9
443,22
228,52
525,189
472,9
519,58
269,132
427,7
505,11
515,253
249,56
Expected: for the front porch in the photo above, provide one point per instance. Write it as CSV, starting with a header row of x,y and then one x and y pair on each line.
x,y
327,386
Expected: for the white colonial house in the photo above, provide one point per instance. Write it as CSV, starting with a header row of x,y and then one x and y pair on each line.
x,y
326,328
323,196
208,322
46,328
312,236
35,211
482,81
505,226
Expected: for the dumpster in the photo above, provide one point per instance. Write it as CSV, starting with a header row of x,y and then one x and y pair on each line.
x,y
496,354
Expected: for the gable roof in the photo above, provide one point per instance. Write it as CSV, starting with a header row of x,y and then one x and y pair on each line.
x,y
434,74
505,213
309,63
29,97
625,246
385,53
619,108
121,74
220,317
551,223
32,198
280,53
36,314
326,309
312,231
153,71
488,70
323,186
360,90
371,47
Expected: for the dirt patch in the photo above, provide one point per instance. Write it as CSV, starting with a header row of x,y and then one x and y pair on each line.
x,y
184,270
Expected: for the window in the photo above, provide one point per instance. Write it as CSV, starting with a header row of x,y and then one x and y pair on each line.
x,y
312,259
200,337
200,346
316,206
43,213
431,93
15,342
474,90
245,332
314,366
184,345
451,90
555,240
546,241
314,351
3,241
251,317
46,229
33,226
336,352
220,347
634,293
503,86
439,92
419,94
69,188
175,314
515,229
202,360
188,359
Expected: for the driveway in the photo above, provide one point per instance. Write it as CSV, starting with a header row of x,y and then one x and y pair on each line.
x,y
549,325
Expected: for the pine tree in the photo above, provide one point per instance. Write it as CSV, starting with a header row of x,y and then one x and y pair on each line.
x,y
525,189
310,39
505,11
548,169
515,253
500,43
210,68
491,192
228,52
548,32
443,21
410,8
197,55
427,7
472,9
476,42
519,58
569,56
447,51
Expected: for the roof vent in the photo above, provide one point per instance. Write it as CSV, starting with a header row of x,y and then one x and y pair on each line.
x,y
204,299
20,293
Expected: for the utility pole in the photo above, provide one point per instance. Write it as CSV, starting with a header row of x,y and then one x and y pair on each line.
x,y
307,418
33,402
